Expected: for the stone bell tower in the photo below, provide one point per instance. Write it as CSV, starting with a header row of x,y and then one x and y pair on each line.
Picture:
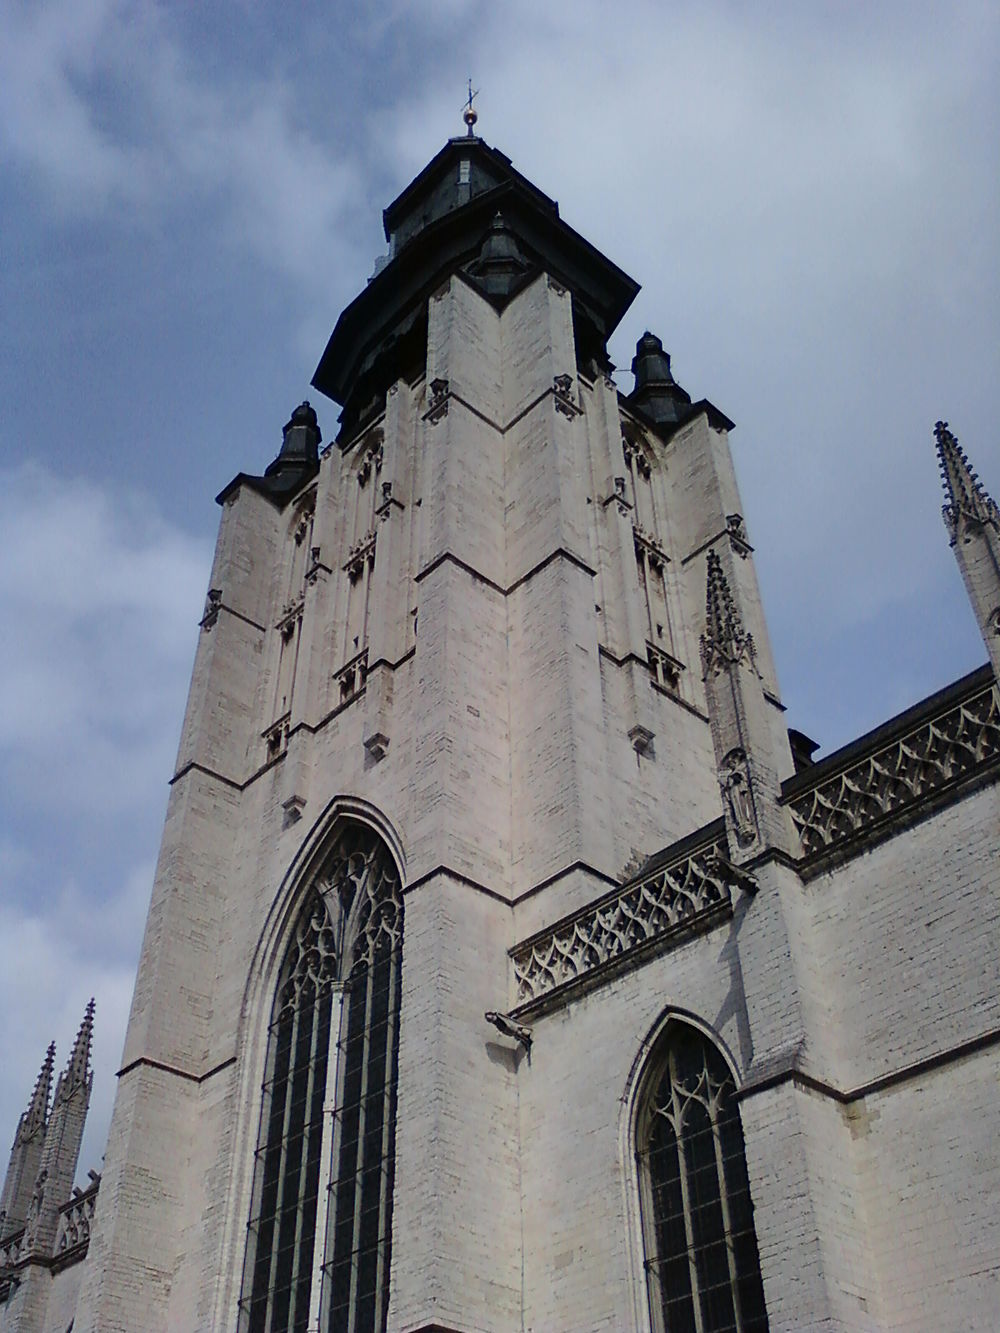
x,y
469,626
509,966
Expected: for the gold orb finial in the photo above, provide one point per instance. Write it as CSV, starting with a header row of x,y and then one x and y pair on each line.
x,y
469,113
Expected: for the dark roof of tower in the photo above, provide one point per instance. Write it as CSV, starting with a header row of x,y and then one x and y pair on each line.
x,y
437,226
437,190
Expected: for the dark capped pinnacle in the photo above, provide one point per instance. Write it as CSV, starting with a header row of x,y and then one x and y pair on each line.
x,y
300,440
656,391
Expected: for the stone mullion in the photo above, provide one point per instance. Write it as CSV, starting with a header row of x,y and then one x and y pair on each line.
x,y
727,1222
359,1158
329,1153
307,1131
282,1167
381,1286
677,1109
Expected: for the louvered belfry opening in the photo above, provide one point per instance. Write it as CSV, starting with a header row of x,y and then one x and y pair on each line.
x,y
702,1265
333,1041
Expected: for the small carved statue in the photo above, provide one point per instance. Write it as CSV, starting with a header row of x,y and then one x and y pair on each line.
x,y
739,798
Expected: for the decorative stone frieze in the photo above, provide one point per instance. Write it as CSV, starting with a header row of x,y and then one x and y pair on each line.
x,y
619,928
896,777
75,1221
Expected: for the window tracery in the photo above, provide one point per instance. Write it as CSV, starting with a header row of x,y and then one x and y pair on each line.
x,y
320,1229
701,1259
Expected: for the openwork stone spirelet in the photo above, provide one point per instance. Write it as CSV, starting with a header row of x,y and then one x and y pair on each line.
x,y
679,895
951,746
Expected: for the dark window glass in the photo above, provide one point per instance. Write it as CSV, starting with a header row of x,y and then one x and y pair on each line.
x,y
346,945
702,1264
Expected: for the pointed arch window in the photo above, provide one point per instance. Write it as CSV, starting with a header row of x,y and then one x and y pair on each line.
x,y
319,1236
702,1265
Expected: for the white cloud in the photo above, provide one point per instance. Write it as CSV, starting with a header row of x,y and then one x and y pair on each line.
x,y
104,596
103,105
53,958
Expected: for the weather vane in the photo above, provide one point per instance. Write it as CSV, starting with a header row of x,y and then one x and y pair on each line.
x,y
469,114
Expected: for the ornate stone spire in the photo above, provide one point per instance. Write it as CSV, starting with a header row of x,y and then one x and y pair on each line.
x,y
37,1114
26,1154
973,522
743,736
968,503
725,642
77,1072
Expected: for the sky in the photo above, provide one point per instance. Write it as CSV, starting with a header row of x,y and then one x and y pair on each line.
x,y
189,194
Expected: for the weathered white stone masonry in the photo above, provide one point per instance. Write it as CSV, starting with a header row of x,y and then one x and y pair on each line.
x,y
507,625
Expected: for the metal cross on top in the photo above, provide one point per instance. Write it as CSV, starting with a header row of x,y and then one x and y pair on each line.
x,y
469,114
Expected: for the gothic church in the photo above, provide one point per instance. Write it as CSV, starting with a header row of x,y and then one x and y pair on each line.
x,y
510,965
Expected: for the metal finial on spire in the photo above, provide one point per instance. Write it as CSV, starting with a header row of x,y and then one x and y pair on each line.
x,y
469,113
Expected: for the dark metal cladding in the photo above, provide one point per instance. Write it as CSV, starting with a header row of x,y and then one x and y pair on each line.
x,y
657,394
296,463
444,223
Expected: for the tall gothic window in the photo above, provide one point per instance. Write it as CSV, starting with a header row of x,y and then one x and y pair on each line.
x,y
702,1266
319,1236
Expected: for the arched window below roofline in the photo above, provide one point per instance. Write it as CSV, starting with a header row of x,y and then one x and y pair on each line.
x,y
695,1259
318,1241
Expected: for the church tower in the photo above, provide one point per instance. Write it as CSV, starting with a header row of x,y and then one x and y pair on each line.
x,y
501,971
